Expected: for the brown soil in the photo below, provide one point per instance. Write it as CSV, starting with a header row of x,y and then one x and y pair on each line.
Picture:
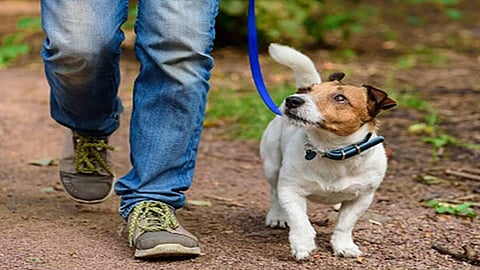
x,y
42,229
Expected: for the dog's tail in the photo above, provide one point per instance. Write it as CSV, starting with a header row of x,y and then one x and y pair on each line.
x,y
305,72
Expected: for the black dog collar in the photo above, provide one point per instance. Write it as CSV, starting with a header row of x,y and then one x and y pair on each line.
x,y
344,152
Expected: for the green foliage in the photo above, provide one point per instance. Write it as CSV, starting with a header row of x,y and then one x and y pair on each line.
x,y
438,2
424,56
29,25
437,137
429,128
448,7
132,15
242,114
344,55
440,140
309,22
297,23
462,209
414,101
13,45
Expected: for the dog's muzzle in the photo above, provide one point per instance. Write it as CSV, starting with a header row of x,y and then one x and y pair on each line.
x,y
294,102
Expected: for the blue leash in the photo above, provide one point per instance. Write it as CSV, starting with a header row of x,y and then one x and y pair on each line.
x,y
254,63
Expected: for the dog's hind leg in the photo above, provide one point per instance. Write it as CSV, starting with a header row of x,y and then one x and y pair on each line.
x,y
272,159
276,215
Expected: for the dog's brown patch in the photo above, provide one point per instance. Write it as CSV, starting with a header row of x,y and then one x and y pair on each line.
x,y
345,108
304,90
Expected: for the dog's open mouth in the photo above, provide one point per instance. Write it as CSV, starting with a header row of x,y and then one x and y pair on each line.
x,y
299,121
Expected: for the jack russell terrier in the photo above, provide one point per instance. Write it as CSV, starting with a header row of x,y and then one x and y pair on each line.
x,y
324,149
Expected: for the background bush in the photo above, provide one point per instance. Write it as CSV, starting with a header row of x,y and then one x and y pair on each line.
x,y
300,22
303,23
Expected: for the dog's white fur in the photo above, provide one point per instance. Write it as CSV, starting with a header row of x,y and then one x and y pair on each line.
x,y
294,180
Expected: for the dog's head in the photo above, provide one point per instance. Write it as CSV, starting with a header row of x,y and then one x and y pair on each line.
x,y
336,107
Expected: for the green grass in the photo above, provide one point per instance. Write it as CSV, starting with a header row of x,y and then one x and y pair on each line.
x,y
462,209
413,101
423,56
242,113
430,128
14,45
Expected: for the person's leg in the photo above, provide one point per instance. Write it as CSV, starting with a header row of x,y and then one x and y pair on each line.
x,y
174,42
81,53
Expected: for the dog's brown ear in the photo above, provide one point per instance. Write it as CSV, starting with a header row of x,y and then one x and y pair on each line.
x,y
378,100
337,76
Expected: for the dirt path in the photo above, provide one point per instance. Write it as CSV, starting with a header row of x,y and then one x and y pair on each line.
x,y
42,229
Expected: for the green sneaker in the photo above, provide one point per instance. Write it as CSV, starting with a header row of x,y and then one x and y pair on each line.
x,y
85,168
154,231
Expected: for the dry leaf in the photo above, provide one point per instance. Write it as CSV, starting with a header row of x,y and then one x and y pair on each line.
x,y
44,162
199,203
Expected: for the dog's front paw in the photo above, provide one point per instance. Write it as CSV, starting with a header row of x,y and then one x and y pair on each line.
x,y
276,218
345,249
302,252
351,251
302,243
301,255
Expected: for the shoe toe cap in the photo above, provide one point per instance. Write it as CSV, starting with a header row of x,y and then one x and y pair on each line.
x,y
152,239
87,188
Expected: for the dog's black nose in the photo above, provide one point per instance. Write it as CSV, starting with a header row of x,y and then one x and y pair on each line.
x,y
294,102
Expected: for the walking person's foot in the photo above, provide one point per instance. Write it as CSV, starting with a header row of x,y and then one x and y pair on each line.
x,y
155,232
86,171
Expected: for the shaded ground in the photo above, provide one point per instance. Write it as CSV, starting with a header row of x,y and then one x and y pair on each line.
x,y
42,229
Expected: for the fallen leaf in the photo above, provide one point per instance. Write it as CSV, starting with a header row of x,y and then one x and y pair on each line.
x,y
431,180
428,233
420,128
35,259
49,189
42,162
199,203
375,222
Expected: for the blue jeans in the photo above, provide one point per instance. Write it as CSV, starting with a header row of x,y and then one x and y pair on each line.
x,y
81,54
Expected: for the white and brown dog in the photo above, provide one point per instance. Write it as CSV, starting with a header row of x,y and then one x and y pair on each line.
x,y
323,148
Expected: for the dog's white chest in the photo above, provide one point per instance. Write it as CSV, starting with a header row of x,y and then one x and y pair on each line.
x,y
330,182
335,195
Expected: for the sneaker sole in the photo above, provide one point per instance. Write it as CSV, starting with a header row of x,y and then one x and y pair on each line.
x,y
92,201
70,196
166,251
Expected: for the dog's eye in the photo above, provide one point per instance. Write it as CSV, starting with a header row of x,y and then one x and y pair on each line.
x,y
340,98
